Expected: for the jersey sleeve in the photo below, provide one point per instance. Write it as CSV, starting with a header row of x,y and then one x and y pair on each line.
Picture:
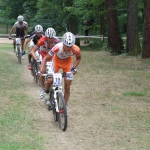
x,y
54,50
76,50
40,42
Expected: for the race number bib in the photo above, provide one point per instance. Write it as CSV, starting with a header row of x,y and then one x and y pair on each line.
x,y
49,67
69,76
18,41
57,79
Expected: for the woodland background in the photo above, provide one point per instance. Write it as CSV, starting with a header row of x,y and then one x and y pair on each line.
x,y
117,20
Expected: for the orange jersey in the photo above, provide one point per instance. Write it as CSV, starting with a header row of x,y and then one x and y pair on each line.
x,y
61,54
62,59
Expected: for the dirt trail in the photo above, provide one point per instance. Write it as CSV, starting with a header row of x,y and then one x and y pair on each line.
x,y
78,134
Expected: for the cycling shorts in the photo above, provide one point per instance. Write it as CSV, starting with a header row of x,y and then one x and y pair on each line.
x,y
31,44
64,64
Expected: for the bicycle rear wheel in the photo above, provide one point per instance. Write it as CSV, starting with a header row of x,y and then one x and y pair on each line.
x,y
19,54
63,120
55,114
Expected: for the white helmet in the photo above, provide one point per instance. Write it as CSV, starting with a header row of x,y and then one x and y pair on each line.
x,y
50,32
68,39
20,18
38,28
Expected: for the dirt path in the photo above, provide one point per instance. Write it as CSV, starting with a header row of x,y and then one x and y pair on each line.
x,y
5,40
79,134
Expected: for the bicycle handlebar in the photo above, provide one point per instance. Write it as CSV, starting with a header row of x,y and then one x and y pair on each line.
x,y
26,36
45,74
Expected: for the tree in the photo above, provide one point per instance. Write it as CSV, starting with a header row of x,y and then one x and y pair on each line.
x,y
133,43
146,30
114,38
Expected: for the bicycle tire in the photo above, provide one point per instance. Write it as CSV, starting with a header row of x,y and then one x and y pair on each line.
x,y
34,71
63,119
37,70
19,55
55,114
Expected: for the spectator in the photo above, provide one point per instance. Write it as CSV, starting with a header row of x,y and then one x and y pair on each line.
x,y
86,32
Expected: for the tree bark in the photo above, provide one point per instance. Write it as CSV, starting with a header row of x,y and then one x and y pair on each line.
x,y
73,25
114,38
146,30
133,43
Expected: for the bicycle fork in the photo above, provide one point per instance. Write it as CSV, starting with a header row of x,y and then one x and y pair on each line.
x,y
55,99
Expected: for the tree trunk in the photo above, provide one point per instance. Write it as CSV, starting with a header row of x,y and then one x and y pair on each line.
x,y
146,30
114,38
133,43
73,25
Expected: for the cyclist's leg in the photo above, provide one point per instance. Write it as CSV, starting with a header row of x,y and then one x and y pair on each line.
x,y
29,57
22,43
67,84
42,92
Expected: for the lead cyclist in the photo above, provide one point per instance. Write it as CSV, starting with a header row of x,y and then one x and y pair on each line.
x,y
21,30
62,58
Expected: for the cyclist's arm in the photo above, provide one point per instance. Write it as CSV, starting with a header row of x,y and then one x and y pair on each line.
x,y
26,31
11,31
25,44
35,48
48,57
77,61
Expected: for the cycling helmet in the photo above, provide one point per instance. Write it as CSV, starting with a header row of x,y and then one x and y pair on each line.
x,y
68,39
38,28
20,18
50,32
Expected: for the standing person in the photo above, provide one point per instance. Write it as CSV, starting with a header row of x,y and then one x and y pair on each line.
x,y
45,44
86,31
62,58
35,36
21,30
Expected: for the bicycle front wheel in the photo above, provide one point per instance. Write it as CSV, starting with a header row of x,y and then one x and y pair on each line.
x,y
62,118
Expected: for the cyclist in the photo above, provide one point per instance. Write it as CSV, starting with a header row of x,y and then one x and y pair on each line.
x,y
21,26
35,36
45,44
61,56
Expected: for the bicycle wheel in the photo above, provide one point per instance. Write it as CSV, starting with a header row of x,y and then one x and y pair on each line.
x,y
62,112
19,54
32,62
34,71
52,102
37,70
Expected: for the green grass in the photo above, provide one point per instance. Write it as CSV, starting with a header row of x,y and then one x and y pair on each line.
x,y
132,93
16,122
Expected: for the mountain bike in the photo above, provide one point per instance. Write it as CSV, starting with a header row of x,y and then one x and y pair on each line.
x,y
18,49
56,97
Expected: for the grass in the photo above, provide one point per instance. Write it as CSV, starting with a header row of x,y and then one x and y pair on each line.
x,y
109,106
16,122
